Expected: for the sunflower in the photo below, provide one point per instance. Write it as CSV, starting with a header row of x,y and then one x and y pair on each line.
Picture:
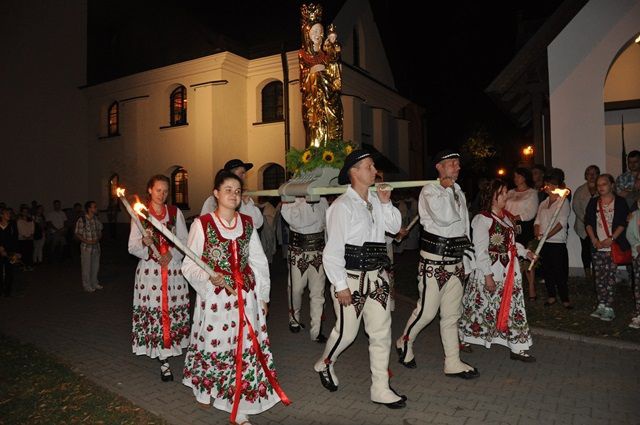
x,y
306,156
328,156
348,149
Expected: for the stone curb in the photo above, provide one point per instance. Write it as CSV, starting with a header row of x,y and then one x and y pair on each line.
x,y
623,345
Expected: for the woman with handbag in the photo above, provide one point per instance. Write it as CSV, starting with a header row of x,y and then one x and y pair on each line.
x,y
555,268
605,222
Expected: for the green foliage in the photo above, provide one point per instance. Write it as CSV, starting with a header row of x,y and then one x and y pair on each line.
x,y
477,150
331,155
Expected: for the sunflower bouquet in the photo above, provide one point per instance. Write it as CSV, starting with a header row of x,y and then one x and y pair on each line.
x,y
330,155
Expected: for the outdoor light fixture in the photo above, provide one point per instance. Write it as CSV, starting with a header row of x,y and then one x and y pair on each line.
x,y
638,39
502,171
528,151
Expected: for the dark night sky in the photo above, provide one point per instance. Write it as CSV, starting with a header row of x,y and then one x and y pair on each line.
x,y
465,44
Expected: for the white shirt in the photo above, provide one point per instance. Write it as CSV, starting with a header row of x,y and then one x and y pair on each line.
x,y
57,218
608,211
545,213
304,217
140,250
524,204
440,212
199,279
247,208
350,222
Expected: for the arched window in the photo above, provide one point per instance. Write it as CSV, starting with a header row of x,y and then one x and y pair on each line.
x,y
178,106
180,188
113,120
356,47
272,102
273,177
114,183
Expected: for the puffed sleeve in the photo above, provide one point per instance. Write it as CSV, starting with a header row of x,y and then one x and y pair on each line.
x,y
299,214
529,206
209,205
181,234
333,255
252,211
197,278
481,226
392,218
260,266
136,247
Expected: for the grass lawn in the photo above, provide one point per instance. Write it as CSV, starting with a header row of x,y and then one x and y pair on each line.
x,y
581,293
36,388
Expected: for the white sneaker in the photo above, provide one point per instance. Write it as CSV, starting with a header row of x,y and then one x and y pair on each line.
x,y
598,312
608,314
635,322
89,290
98,286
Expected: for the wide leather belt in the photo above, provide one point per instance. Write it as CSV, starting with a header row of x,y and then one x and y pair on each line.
x,y
307,242
446,247
370,256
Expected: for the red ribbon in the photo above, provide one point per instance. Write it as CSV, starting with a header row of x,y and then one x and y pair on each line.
x,y
507,292
237,277
166,321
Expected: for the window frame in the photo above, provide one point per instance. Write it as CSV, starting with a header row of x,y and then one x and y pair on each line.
x,y
180,188
178,113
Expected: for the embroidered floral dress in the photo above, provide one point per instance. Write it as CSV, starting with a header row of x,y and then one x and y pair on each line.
x,y
210,361
150,325
492,237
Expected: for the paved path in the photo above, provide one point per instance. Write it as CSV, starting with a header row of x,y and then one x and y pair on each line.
x,y
573,382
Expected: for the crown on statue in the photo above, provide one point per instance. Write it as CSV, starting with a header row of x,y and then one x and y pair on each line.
x,y
311,14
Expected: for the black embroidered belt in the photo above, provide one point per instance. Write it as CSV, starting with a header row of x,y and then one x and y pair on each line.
x,y
446,247
370,256
307,242
439,262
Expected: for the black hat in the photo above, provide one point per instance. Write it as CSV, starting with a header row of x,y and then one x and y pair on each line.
x,y
445,154
235,163
351,160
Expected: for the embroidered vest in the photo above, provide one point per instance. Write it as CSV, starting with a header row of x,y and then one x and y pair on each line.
x,y
500,239
217,252
158,239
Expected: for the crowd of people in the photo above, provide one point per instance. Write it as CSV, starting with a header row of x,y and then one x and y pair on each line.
x,y
473,269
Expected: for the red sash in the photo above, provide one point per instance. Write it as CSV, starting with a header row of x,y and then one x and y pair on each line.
x,y
237,277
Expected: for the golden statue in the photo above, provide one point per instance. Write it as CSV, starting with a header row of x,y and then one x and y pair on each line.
x,y
320,79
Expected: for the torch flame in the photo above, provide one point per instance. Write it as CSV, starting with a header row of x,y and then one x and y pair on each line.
x,y
139,207
120,192
561,192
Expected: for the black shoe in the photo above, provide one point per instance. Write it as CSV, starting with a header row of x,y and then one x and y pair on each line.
x,y
467,374
165,373
294,328
395,405
326,380
410,364
321,339
522,356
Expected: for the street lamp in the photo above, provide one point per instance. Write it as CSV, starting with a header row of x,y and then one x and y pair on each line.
x,y
502,172
528,151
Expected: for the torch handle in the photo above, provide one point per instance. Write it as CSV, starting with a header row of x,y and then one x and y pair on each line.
x,y
137,222
409,226
547,230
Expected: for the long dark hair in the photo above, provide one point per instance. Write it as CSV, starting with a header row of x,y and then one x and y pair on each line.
x,y
526,173
489,192
223,175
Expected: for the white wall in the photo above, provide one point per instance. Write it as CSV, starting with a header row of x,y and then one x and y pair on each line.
x,y
43,113
579,59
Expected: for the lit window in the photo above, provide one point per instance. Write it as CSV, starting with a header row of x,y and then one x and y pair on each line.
x,y
180,188
113,120
178,106
272,102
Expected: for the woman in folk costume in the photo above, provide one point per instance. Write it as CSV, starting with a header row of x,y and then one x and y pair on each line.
x,y
229,358
493,301
161,295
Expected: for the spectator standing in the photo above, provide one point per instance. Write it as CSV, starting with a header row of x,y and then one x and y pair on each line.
x,y
625,183
581,198
538,172
88,230
554,253
40,230
8,251
522,204
26,230
633,236
605,222
56,227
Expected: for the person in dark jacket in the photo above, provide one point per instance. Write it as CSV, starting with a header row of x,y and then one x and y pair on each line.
x,y
8,251
605,222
